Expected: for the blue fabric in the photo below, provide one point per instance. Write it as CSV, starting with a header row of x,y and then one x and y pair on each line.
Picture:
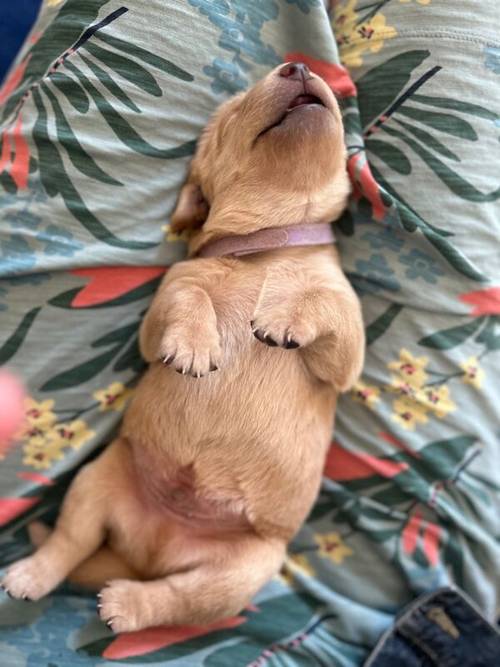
x,y
16,19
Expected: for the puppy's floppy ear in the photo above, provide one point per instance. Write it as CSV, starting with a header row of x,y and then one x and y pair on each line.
x,y
191,210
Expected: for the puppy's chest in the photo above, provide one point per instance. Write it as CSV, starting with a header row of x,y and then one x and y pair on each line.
x,y
235,302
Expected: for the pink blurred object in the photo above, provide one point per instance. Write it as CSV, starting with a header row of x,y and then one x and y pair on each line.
x,y
11,408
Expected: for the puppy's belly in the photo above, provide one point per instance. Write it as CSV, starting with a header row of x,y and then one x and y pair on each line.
x,y
161,522
201,511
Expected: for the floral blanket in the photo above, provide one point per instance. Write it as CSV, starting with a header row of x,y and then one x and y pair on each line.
x,y
98,119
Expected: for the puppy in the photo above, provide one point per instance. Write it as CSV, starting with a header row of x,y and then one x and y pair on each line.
x,y
188,513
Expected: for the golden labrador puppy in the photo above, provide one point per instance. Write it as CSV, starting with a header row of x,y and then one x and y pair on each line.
x,y
188,513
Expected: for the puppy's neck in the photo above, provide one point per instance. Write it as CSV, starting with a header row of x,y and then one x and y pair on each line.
x,y
248,213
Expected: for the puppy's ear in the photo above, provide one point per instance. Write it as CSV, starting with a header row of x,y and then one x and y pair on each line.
x,y
191,210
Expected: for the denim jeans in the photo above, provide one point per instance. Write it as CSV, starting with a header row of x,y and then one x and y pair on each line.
x,y
440,629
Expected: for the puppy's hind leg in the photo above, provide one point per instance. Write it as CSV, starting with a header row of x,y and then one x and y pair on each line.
x,y
79,532
96,570
227,574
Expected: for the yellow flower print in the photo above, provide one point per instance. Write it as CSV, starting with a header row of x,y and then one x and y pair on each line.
x,y
344,21
420,2
42,456
365,393
39,420
473,373
408,413
172,237
436,399
35,435
113,397
401,386
45,447
54,3
356,34
332,546
40,414
296,564
410,369
73,434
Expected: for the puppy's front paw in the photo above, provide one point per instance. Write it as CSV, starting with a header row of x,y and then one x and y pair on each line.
x,y
284,327
194,353
26,580
120,606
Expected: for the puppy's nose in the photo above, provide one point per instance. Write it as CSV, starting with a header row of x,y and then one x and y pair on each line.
x,y
295,71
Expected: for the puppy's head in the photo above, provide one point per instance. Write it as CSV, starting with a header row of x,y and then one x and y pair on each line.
x,y
271,156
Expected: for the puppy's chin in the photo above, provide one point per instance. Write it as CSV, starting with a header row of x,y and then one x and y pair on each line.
x,y
302,125
304,147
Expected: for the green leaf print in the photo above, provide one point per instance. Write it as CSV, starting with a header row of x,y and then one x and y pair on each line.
x,y
490,335
73,92
126,68
71,32
411,221
123,129
277,618
380,86
59,37
56,181
14,342
7,183
440,121
391,155
81,373
82,161
456,105
447,339
120,335
320,510
450,178
453,555
146,56
428,140
108,82
439,460
379,326
454,257
131,358
391,496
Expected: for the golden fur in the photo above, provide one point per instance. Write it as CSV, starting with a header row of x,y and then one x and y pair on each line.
x,y
188,513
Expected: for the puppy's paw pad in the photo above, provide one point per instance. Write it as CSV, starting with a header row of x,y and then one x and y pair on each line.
x,y
119,606
25,581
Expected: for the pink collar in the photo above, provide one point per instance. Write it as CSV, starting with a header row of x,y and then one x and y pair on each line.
x,y
269,239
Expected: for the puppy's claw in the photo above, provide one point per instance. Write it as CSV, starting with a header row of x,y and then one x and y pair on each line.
x,y
168,359
110,624
99,596
27,598
264,338
291,344
213,368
